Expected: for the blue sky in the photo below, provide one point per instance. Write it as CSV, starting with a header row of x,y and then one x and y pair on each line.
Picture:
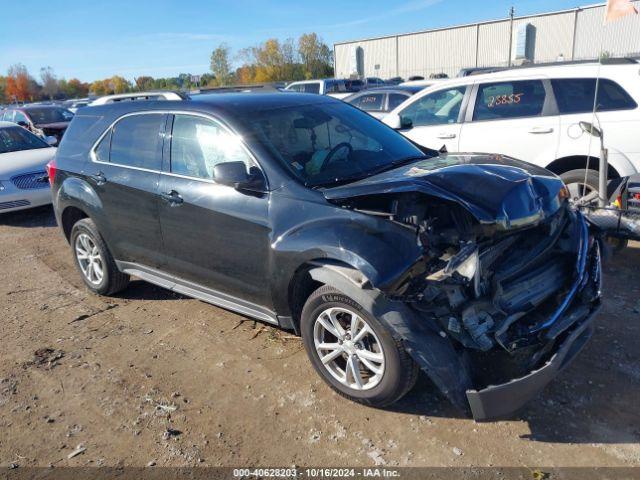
x,y
93,40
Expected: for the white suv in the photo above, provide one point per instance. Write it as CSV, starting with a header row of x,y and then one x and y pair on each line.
x,y
532,114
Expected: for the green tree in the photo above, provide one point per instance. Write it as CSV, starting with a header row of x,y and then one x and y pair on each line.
x,y
316,56
220,65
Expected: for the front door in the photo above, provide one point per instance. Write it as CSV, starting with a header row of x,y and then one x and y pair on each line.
x,y
433,120
214,235
125,175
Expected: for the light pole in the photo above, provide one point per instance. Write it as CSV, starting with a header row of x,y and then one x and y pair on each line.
x,y
512,12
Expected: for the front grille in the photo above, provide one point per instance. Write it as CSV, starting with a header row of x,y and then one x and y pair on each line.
x,y
30,181
14,204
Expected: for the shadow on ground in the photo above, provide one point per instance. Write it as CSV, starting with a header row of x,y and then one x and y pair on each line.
x,y
31,218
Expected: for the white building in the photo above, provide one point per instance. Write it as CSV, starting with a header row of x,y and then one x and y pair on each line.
x,y
574,34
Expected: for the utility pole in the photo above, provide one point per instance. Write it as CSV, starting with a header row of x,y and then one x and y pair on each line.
x,y
512,12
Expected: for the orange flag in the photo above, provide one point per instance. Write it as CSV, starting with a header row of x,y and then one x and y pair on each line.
x,y
617,9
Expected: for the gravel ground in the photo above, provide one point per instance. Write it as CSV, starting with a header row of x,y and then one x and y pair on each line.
x,y
150,377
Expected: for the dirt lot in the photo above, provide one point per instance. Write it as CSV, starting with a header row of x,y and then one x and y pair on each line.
x,y
151,376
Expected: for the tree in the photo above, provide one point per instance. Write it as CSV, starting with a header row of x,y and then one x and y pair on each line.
x,y
220,65
316,56
3,86
18,86
145,83
49,82
76,89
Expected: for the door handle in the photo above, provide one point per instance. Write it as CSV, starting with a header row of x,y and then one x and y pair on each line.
x,y
447,136
540,130
99,178
172,197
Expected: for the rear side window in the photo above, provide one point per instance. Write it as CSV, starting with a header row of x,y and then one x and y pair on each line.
x,y
395,99
312,88
135,141
371,102
198,144
576,95
504,100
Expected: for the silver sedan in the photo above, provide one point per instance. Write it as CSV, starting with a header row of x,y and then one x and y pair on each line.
x,y
23,176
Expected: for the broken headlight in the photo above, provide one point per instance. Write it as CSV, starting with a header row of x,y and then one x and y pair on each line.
x,y
465,263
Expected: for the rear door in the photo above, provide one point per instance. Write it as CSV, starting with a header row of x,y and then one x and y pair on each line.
x,y
516,118
214,235
125,173
434,120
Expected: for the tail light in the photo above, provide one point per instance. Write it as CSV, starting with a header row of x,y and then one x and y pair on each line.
x,y
51,170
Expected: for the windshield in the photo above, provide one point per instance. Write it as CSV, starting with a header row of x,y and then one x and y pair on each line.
x,y
49,115
14,139
325,144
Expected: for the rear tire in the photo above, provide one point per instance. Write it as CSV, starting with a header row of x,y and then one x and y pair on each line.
x,y
365,353
94,261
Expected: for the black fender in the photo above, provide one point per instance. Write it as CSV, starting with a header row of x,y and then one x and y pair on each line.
x,y
382,250
433,352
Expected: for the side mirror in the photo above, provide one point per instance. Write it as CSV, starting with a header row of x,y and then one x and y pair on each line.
x,y
51,140
234,174
590,129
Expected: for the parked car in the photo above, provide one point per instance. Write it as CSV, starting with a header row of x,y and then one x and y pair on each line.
x,y
41,120
421,83
337,88
380,101
23,158
307,213
394,81
533,114
76,103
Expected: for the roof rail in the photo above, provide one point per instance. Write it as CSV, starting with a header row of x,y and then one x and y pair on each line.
x,y
606,61
140,96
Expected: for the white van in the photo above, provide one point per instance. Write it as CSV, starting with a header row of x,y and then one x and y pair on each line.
x,y
532,114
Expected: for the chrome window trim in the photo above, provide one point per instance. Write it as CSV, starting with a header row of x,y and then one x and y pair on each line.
x,y
92,152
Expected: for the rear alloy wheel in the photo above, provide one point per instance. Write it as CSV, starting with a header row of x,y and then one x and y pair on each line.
x,y
94,261
353,352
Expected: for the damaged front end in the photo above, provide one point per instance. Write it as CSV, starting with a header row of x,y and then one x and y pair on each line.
x,y
513,297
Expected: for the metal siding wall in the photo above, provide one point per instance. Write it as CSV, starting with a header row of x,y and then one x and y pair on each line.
x,y
619,38
553,36
376,52
449,50
493,44
442,51
343,55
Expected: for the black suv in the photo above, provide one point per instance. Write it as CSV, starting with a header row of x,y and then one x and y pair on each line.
x,y
307,213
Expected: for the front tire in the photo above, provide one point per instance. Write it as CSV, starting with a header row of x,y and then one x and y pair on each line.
x,y
94,261
353,352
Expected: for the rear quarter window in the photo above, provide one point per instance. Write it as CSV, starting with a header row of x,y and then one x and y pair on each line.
x,y
135,141
576,95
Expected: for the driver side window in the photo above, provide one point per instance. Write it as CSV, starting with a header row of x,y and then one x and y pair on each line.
x,y
437,108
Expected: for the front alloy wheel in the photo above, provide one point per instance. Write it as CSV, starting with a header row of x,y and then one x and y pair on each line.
x,y
348,348
353,351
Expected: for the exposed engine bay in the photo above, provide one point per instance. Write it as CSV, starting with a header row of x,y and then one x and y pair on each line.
x,y
499,293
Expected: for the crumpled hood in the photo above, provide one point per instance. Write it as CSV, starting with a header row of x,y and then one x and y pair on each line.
x,y
493,188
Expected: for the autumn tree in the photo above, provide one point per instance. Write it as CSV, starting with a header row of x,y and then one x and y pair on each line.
x,y
50,86
220,64
3,86
18,86
316,56
144,83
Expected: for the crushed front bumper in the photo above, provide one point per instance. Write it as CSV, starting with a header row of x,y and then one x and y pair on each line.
x,y
498,401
